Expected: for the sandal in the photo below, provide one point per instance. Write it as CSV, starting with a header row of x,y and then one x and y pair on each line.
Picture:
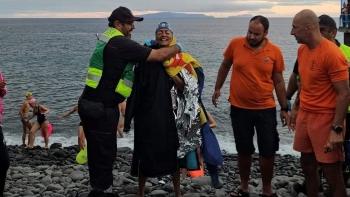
x,y
239,192
272,195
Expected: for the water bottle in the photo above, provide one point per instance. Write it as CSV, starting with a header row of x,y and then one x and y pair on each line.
x,y
191,160
347,152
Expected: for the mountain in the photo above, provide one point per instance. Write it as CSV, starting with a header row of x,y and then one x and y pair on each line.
x,y
242,16
175,15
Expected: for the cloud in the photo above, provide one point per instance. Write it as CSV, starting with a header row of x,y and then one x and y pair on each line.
x,y
102,8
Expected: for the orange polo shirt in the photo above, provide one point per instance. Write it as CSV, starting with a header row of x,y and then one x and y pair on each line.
x,y
318,69
251,85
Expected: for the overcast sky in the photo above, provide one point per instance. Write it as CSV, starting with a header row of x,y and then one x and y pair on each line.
x,y
216,8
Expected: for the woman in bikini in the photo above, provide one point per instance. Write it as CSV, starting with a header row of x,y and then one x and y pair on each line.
x,y
42,123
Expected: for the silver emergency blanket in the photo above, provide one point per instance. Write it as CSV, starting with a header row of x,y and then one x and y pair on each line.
x,y
187,114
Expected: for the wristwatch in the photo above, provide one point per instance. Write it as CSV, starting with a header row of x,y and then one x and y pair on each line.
x,y
337,129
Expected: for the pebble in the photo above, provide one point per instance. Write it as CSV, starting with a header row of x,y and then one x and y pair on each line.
x,y
54,173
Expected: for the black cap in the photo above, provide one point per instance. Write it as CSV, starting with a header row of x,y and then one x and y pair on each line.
x,y
123,14
327,21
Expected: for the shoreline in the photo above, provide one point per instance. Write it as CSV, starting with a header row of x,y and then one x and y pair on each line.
x,y
54,172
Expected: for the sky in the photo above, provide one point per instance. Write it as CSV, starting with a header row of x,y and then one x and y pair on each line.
x,y
216,8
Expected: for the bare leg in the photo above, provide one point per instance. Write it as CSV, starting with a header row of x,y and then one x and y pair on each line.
x,y
183,173
334,177
309,165
176,182
81,138
142,182
266,166
119,127
31,135
24,132
44,127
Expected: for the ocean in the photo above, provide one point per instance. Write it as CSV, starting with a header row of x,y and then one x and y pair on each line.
x,y
49,57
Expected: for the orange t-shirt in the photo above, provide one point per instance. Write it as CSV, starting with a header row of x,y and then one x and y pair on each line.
x,y
318,69
251,85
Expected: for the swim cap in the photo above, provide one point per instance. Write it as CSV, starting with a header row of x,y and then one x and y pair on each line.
x,y
32,101
163,25
29,94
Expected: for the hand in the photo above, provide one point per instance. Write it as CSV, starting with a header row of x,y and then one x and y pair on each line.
x,y
335,140
289,105
215,97
60,117
81,143
180,46
284,118
150,42
3,83
292,119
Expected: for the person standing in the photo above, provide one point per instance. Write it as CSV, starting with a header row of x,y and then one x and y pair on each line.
x,y
109,81
81,136
24,114
257,66
320,108
4,157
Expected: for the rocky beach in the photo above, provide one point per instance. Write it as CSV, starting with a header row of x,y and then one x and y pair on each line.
x,y
55,173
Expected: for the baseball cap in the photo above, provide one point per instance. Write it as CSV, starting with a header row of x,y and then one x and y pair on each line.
x,y
163,25
327,21
28,94
123,14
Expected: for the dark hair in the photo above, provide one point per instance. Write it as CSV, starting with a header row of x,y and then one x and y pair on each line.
x,y
262,20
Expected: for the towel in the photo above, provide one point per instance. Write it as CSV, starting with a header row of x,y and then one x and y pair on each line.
x,y
180,61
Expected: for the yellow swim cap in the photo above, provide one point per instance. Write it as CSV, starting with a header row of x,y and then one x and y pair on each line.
x,y
29,94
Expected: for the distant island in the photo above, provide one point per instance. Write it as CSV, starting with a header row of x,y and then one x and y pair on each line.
x,y
175,15
242,16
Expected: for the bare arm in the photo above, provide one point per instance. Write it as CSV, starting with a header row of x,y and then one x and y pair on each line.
x,y
297,99
22,108
163,54
280,88
45,109
74,109
179,82
342,89
292,85
211,120
222,74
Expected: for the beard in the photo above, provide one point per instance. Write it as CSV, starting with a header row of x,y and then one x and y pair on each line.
x,y
255,43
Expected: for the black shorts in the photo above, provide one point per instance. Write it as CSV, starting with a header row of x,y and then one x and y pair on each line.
x,y
264,121
80,124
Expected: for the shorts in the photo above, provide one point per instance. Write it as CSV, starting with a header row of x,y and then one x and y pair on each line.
x,y
80,124
312,131
264,121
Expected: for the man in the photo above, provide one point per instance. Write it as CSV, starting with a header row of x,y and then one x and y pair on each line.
x,y
4,157
328,30
108,83
24,114
120,125
81,136
257,67
320,107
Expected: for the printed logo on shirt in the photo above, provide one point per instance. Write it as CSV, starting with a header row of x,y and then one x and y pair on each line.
x,y
313,65
265,59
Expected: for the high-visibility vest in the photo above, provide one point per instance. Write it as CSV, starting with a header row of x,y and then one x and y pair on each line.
x,y
124,86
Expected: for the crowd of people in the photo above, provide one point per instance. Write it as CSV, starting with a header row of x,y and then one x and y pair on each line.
x,y
164,98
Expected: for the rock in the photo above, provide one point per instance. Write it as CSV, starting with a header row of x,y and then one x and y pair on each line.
x,y
56,146
159,193
206,180
76,175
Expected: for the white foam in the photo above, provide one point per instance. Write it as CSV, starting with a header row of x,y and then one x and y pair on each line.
x,y
226,141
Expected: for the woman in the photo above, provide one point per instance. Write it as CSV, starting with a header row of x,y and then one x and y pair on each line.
x,y
155,136
81,135
4,157
42,123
